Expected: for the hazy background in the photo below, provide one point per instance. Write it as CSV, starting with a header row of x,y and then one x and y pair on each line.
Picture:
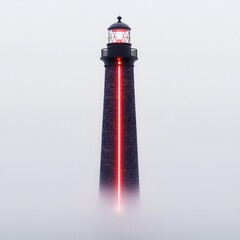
x,y
188,117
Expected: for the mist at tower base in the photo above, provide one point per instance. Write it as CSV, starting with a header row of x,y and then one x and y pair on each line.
x,y
187,111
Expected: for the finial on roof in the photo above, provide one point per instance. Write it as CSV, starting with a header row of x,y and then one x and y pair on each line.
x,y
119,18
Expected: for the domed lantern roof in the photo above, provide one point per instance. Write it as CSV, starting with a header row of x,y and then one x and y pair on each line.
x,y
119,32
119,24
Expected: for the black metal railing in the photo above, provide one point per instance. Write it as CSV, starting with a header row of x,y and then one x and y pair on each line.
x,y
104,52
131,53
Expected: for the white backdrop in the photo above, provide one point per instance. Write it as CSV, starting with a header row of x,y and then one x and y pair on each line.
x,y
188,118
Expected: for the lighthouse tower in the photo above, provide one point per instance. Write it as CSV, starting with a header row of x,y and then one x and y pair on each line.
x,y
119,178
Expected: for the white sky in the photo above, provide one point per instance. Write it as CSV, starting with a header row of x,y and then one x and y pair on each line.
x,y
188,117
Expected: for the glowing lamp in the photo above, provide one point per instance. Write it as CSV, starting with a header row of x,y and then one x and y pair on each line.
x,y
119,32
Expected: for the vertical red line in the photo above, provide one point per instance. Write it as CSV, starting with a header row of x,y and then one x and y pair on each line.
x,y
119,141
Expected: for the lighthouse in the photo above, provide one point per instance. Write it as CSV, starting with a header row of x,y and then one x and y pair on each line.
x,y
119,176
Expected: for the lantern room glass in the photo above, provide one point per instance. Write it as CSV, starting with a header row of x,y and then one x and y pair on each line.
x,y
119,36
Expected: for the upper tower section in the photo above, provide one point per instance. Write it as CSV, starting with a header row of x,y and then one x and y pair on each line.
x,y
119,45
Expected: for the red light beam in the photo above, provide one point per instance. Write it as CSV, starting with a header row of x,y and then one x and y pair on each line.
x,y
119,136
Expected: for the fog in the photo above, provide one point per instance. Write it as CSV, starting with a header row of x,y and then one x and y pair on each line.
x,y
188,119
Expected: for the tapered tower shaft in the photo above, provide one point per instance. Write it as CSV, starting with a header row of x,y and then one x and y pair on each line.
x,y
119,176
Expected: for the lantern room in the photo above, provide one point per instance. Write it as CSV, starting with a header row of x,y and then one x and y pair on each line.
x,y
119,32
